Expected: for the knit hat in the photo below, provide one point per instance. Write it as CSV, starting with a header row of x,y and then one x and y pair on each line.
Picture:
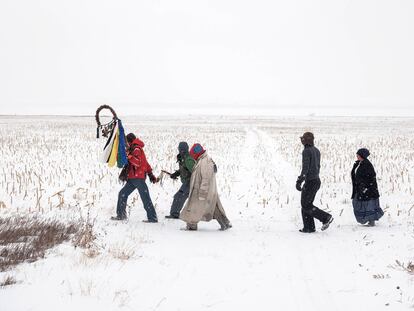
x,y
363,153
183,147
307,138
130,138
196,151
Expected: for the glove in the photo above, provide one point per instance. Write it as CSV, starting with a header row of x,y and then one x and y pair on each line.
x,y
152,178
299,182
179,158
175,175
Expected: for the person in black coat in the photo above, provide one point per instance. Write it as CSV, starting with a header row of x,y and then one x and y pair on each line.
x,y
365,195
311,158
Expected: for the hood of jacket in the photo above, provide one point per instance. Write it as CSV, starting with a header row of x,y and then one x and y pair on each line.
x,y
137,142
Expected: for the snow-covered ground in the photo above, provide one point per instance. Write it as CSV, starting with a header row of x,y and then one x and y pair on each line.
x,y
262,263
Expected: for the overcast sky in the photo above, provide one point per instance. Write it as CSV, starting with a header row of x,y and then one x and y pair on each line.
x,y
68,57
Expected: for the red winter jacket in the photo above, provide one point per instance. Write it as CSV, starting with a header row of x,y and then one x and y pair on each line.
x,y
138,164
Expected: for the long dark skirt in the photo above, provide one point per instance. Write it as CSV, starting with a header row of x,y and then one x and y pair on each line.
x,y
365,211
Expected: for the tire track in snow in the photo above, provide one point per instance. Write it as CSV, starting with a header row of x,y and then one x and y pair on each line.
x,y
286,171
288,284
246,175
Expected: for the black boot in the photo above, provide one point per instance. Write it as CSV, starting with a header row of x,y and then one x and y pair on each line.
x,y
191,227
118,218
227,226
327,223
150,221
306,231
171,217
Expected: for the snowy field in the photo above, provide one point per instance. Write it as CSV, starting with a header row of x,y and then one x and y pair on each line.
x,y
262,263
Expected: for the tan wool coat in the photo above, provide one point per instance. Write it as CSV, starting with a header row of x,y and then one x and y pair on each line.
x,y
203,199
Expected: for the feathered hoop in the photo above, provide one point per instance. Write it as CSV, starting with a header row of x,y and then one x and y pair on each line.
x,y
108,127
114,151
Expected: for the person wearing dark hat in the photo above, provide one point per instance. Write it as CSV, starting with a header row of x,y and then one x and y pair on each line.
x,y
203,203
310,175
365,195
186,164
138,170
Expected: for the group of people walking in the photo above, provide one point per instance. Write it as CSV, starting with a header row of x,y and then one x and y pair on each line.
x,y
365,195
197,199
198,191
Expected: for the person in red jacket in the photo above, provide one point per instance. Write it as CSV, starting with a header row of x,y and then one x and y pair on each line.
x,y
138,169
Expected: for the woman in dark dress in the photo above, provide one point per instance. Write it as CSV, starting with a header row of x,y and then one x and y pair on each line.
x,y
365,195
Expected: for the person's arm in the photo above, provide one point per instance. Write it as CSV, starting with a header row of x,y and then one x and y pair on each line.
x,y
371,174
189,164
134,158
148,169
175,175
367,177
306,159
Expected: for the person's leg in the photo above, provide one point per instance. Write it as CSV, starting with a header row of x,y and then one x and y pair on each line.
x,y
306,199
179,200
123,198
221,217
146,199
320,215
359,208
191,227
373,211
308,222
313,187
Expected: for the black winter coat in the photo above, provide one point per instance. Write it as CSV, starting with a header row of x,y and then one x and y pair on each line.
x,y
311,163
364,181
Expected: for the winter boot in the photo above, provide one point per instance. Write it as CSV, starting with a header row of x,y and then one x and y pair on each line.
x,y
371,223
306,230
150,221
191,227
327,223
118,218
224,227
171,217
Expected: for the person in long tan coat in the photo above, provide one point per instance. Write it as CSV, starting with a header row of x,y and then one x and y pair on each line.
x,y
203,202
